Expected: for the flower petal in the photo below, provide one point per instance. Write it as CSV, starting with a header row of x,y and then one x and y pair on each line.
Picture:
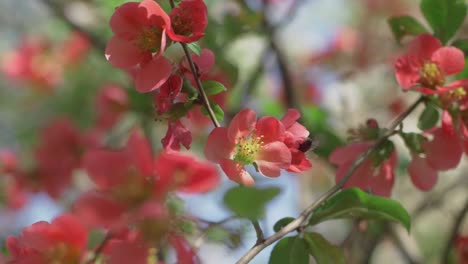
x,y
236,172
106,168
444,151
139,150
423,176
272,158
122,53
218,146
423,46
153,74
449,59
291,116
347,153
242,124
407,71
269,128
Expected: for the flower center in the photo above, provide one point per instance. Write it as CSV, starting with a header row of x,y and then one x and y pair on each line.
x,y
247,149
133,191
430,75
149,39
181,24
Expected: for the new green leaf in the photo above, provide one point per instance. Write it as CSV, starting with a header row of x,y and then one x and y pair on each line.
x,y
249,202
282,223
405,26
213,87
355,203
195,48
323,251
428,118
444,16
290,250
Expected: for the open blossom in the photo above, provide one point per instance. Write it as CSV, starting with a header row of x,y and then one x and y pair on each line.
x,y
188,21
427,64
138,42
62,241
296,139
378,179
128,178
443,152
247,141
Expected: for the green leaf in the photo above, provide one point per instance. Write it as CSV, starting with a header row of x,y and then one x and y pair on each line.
x,y
383,152
290,250
217,110
323,251
195,48
213,87
355,203
249,202
402,26
444,16
462,44
428,118
282,223
413,141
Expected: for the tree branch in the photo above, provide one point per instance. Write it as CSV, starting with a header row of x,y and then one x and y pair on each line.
x,y
100,248
298,222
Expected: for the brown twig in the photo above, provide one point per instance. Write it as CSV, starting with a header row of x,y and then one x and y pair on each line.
x,y
100,248
453,234
196,76
298,222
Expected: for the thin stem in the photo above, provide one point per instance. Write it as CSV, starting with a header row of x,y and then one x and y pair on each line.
x,y
453,234
258,231
100,248
298,222
196,76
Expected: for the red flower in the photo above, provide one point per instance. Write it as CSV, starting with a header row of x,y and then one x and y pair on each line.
x,y
295,136
111,104
188,21
427,64
462,249
168,92
246,142
75,48
62,241
184,173
378,179
33,62
176,135
58,155
140,30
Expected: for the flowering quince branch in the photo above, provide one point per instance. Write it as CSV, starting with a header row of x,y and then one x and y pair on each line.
x,y
297,224
196,76
453,234
100,248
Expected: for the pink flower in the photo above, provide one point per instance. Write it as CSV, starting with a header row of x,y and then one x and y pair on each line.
x,y
58,155
140,31
378,179
176,135
111,103
33,63
462,249
184,173
427,64
75,48
62,241
168,93
443,152
188,21
246,142
296,135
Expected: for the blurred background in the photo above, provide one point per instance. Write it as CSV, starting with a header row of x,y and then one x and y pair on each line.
x,y
332,57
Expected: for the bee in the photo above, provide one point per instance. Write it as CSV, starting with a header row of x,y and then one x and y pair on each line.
x,y
309,144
